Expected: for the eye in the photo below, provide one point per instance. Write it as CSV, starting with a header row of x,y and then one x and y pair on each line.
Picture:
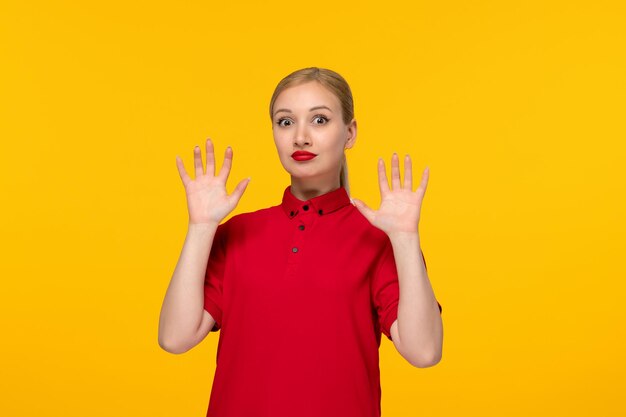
x,y
321,116
280,121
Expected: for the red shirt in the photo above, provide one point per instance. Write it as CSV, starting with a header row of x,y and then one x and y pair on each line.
x,y
301,292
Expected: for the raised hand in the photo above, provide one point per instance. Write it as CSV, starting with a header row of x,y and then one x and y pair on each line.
x,y
400,206
207,200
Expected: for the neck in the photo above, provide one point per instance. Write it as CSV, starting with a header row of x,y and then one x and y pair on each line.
x,y
305,189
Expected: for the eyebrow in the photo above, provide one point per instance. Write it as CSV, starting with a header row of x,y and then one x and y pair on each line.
x,y
311,109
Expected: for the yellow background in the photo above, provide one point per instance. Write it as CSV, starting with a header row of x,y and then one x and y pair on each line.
x,y
517,107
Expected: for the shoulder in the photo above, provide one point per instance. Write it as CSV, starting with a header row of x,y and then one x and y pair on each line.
x,y
353,232
242,221
366,230
252,216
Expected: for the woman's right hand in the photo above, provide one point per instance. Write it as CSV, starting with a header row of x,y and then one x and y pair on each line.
x,y
207,200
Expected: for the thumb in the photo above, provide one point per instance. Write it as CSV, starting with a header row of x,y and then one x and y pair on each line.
x,y
239,189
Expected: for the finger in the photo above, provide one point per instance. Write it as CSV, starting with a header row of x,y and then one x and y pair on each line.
x,y
210,157
197,161
383,183
228,162
425,176
395,172
239,189
408,173
181,171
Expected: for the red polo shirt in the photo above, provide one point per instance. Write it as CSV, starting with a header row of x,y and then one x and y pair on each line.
x,y
301,292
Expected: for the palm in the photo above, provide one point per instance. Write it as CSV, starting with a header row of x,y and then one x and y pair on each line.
x,y
206,191
400,207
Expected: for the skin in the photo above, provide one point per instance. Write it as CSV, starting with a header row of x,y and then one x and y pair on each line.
x,y
417,334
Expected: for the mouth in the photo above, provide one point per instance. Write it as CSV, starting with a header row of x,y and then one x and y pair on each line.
x,y
303,155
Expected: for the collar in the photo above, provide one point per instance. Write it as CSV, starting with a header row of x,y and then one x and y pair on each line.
x,y
322,204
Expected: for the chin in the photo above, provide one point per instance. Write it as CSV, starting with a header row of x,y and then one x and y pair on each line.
x,y
301,173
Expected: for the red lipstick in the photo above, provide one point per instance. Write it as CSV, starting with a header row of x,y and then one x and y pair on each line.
x,y
303,155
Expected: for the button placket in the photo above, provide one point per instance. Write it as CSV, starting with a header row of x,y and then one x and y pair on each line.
x,y
298,243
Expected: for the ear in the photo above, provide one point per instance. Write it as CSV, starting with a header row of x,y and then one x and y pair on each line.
x,y
351,138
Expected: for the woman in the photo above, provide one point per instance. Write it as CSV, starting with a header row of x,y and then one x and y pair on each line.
x,y
302,290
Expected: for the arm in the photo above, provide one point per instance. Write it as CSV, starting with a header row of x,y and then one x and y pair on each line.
x,y
183,322
417,333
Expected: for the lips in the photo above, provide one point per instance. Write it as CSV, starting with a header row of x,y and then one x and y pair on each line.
x,y
303,155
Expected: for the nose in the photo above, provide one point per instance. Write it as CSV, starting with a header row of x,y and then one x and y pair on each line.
x,y
302,137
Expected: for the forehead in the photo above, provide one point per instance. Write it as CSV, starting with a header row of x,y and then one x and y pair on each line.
x,y
302,97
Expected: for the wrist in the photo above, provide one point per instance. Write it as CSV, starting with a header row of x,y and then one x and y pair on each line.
x,y
404,236
202,227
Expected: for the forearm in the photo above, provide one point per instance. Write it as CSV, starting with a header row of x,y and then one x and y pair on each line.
x,y
181,313
420,329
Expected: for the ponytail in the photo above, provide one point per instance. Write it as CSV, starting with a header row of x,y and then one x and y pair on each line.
x,y
343,175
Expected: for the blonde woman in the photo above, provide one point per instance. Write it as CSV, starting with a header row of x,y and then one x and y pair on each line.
x,y
303,290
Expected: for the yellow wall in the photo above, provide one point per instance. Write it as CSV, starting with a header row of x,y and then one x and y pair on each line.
x,y
517,107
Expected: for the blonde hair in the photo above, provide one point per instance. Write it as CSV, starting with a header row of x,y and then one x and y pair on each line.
x,y
337,85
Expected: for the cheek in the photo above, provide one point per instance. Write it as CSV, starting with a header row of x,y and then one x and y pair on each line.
x,y
280,140
283,147
333,140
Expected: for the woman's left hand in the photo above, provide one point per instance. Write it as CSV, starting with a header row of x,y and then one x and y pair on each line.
x,y
400,206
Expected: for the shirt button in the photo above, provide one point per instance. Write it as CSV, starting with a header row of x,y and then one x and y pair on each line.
x,y
294,249
301,227
305,207
320,211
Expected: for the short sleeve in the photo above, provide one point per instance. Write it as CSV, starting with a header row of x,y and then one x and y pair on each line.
x,y
214,276
385,289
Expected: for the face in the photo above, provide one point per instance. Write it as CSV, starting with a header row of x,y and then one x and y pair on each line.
x,y
308,117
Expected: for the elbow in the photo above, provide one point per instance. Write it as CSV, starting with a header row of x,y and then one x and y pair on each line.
x,y
177,339
169,346
173,346
425,360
